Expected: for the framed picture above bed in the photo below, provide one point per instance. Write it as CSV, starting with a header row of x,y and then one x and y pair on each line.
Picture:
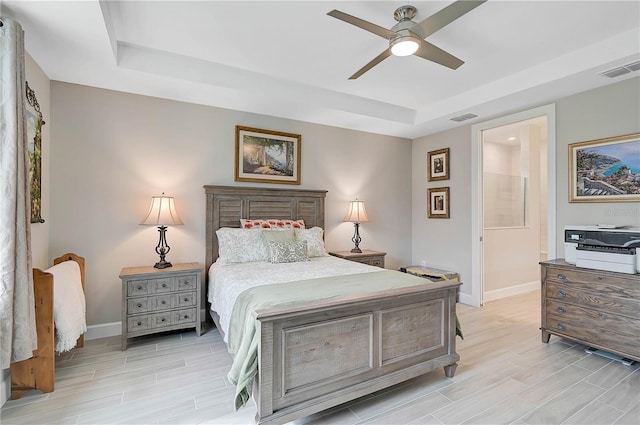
x,y
438,165
266,156
438,202
605,170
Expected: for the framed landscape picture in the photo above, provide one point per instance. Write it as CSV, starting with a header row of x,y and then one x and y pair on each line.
x,y
438,165
605,170
267,156
438,202
34,148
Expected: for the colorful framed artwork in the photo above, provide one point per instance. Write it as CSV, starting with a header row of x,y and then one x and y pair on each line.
x,y
34,148
605,170
267,156
438,165
438,202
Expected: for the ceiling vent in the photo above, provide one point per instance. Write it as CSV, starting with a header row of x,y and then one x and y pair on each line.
x,y
621,70
464,117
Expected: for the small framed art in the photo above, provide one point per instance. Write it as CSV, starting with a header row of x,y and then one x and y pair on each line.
x,y
605,170
438,202
438,165
267,156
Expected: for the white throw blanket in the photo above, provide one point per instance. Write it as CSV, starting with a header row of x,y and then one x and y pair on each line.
x,y
69,307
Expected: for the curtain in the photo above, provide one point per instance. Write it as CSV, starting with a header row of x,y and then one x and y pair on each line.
x,y
18,336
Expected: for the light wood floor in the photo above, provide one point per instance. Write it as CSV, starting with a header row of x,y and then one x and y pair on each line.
x,y
505,375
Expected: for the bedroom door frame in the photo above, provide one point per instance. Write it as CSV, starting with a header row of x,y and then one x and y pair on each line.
x,y
477,246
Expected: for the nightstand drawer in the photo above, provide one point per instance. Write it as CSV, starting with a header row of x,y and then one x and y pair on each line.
x,y
186,299
184,283
149,287
185,316
367,256
139,323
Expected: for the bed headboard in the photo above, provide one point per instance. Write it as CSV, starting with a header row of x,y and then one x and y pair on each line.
x,y
226,205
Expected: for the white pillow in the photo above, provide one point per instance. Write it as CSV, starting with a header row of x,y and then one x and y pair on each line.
x,y
241,245
315,243
287,252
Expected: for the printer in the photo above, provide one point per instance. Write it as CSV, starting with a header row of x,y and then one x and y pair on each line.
x,y
603,248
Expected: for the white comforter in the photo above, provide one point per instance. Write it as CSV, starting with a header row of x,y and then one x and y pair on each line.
x,y
227,281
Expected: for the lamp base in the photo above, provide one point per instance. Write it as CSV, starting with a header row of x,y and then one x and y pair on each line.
x,y
357,250
162,264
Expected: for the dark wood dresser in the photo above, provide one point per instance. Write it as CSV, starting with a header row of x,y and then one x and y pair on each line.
x,y
597,308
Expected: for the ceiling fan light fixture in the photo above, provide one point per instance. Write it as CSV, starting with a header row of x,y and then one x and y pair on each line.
x,y
404,45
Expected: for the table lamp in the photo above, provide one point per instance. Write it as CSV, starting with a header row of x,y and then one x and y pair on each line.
x,y
162,213
357,214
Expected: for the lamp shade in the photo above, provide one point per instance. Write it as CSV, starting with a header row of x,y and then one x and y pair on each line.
x,y
357,213
162,212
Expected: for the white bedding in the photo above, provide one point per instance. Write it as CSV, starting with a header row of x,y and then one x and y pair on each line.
x,y
228,281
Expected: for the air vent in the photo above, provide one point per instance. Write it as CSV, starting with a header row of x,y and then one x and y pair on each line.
x,y
464,117
621,70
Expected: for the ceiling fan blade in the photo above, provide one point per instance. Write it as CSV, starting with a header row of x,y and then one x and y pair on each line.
x,y
435,54
382,56
447,15
361,23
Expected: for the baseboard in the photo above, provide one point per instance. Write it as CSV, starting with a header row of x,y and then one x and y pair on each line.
x,y
512,290
104,330
107,330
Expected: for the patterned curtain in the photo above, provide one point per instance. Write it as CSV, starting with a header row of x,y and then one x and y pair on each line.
x,y
18,336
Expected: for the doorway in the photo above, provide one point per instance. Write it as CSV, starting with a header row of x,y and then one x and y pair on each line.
x,y
513,216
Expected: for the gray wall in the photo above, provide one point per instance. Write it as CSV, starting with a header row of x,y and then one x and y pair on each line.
x,y
112,151
608,111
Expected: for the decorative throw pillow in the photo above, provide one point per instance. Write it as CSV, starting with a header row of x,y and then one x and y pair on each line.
x,y
272,223
315,243
287,252
241,245
283,235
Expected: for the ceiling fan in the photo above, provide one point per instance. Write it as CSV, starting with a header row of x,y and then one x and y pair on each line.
x,y
408,37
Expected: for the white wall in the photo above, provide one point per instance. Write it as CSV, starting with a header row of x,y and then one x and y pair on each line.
x,y
112,151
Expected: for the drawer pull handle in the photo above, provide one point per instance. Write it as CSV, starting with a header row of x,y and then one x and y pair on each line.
x,y
562,294
139,287
163,302
163,319
561,276
186,299
561,327
186,317
139,305
164,285
139,323
561,310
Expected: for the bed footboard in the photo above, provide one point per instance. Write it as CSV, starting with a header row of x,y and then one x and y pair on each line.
x,y
319,355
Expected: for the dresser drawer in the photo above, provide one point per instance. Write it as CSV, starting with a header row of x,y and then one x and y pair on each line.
x,y
588,332
186,299
616,285
589,317
576,294
161,320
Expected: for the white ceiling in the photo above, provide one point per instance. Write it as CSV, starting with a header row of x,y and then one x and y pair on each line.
x,y
289,59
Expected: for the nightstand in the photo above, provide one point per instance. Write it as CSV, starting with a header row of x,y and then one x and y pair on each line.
x,y
367,256
159,300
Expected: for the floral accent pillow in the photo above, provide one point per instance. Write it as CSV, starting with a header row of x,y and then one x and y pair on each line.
x,y
287,252
315,242
271,223
241,245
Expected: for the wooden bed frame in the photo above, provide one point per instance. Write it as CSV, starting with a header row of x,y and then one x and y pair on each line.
x,y
38,372
391,336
